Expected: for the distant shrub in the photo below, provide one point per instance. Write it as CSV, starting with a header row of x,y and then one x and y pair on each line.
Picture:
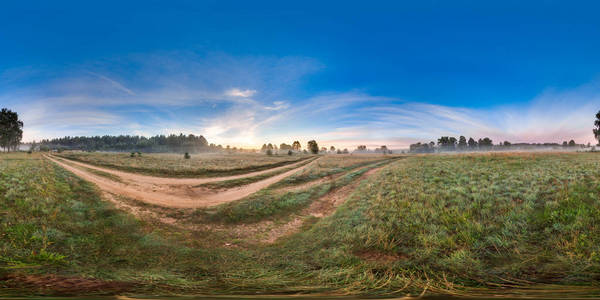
x,y
29,152
132,154
269,152
139,153
290,152
186,156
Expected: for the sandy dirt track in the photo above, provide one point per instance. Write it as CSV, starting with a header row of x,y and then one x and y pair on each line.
x,y
166,194
175,181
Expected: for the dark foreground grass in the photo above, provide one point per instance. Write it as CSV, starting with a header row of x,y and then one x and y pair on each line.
x,y
441,224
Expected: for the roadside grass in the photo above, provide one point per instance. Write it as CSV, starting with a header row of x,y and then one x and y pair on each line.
x,y
174,165
226,184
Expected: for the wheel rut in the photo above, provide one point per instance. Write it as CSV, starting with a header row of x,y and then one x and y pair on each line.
x,y
171,192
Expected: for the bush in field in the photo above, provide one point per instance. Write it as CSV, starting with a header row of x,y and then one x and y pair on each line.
x,y
139,154
269,152
290,152
186,156
132,154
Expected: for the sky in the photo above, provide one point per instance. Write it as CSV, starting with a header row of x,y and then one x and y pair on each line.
x,y
345,73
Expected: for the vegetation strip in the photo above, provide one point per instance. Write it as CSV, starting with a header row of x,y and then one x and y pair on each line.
x,y
268,203
247,180
305,178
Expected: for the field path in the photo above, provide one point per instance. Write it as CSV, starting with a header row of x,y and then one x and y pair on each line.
x,y
323,207
175,181
182,197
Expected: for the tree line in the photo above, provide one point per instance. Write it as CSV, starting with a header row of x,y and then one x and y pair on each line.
x,y
449,144
159,143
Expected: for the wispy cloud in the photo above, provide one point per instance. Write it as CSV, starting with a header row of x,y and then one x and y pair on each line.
x,y
182,92
114,83
235,92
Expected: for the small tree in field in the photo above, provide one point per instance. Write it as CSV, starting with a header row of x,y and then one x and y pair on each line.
x,y
290,152
186,156
269,152
597,127
313,147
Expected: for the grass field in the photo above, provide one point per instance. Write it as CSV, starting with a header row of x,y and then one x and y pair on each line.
x,y
449,224
174,165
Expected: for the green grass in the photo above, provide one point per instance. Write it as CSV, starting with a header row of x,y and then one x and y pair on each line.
x,y
454,224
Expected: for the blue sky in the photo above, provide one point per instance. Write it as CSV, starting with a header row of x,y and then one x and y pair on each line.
x,y
346,73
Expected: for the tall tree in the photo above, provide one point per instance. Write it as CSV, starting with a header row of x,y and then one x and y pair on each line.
x,y
11,130
462,142
597,127
472,143
313,147
296,146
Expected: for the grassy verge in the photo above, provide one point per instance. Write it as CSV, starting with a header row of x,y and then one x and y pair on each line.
x,y
248,180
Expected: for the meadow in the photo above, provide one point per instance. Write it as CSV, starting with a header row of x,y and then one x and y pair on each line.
x,y
469,224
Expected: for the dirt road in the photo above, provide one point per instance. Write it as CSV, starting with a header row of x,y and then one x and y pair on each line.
x,y
171,192
174,181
